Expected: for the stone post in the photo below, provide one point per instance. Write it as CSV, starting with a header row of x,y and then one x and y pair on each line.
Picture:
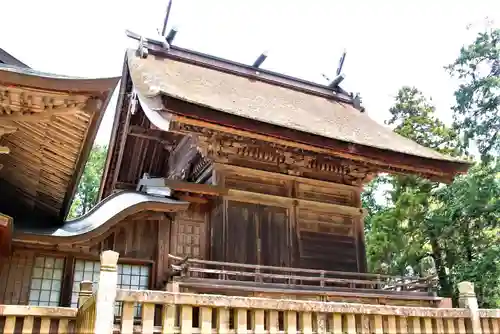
x,y
106,293
85,292
467,299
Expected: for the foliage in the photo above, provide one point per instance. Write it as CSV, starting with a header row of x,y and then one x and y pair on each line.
x,y
455,225
477,108
88,188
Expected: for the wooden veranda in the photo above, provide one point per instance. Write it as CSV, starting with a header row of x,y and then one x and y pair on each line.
x,y
113,310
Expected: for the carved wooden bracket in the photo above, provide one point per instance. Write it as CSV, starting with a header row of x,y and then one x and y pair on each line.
x,y
27,105
226,148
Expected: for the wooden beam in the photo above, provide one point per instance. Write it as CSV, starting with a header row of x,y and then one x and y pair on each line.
x,y
258,198
198,188
191,199
151,134
270,175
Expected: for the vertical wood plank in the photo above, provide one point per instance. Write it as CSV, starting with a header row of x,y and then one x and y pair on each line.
x,y
416,325
186,319
63,326
495,325
337,323
28,325
378,324
391,324
450,326
148,318
241,321
403,325
365,324
461,326
206,320
485,325
273,322
258,321
45,325
10,324
127,321
439,325
223,320
168,319
163,227
428,325
306,323
291,322
351,324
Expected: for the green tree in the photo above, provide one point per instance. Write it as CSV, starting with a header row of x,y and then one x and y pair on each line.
x,y
88,188
406,232
456,225
477,108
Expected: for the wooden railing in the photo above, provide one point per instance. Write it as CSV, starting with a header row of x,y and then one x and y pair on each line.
x,y
186,313
36,319
227,271
490,321
85,319
207,314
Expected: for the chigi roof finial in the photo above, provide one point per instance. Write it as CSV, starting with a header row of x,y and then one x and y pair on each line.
x,y
165,20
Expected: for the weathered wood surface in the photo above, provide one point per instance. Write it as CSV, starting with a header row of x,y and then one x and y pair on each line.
x,y
272,219
36,319
194,313
259,280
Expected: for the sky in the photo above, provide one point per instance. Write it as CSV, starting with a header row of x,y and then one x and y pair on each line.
x,y
389,43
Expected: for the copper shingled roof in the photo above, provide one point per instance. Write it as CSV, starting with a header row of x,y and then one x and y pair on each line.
x,y
268,103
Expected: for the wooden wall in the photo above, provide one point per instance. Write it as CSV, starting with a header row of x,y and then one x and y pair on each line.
x,y
136,238
281,220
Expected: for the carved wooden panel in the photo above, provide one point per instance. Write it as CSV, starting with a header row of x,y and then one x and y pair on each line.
x,y
15,278
188,237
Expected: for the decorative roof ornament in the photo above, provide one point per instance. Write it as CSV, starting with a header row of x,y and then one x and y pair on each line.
x,y
142,48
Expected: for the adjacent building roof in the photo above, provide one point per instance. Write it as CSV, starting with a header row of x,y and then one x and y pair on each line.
x,y
47,127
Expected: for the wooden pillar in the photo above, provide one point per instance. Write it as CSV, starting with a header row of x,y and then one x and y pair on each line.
x,y
85,292
467,299
106,293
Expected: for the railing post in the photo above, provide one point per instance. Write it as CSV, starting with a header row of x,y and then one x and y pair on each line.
x,y
106,293
467,299
85,292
